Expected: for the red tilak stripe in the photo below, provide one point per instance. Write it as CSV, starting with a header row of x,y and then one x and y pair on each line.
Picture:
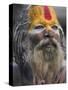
x,y
47,14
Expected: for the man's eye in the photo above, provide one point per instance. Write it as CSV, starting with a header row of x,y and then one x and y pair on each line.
x,y
38,27
54,27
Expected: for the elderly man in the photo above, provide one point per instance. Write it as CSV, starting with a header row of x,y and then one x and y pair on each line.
x,y
46,45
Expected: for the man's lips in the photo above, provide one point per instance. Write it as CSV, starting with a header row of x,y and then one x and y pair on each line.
x,y
49,44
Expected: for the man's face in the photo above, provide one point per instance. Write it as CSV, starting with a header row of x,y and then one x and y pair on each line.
x,y
45,37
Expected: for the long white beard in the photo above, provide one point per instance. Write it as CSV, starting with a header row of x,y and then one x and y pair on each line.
x,y
49,61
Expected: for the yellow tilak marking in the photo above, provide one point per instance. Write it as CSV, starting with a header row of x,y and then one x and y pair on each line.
x,y
36,15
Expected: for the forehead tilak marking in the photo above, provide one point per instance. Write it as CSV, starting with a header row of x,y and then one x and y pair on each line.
x,y
47,14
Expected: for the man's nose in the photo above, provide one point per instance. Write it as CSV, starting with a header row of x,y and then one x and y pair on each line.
x,y
48,32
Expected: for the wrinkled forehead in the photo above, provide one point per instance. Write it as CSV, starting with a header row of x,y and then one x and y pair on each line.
x,y
45,15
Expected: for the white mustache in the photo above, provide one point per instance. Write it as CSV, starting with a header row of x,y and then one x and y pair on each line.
x,y
45,41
